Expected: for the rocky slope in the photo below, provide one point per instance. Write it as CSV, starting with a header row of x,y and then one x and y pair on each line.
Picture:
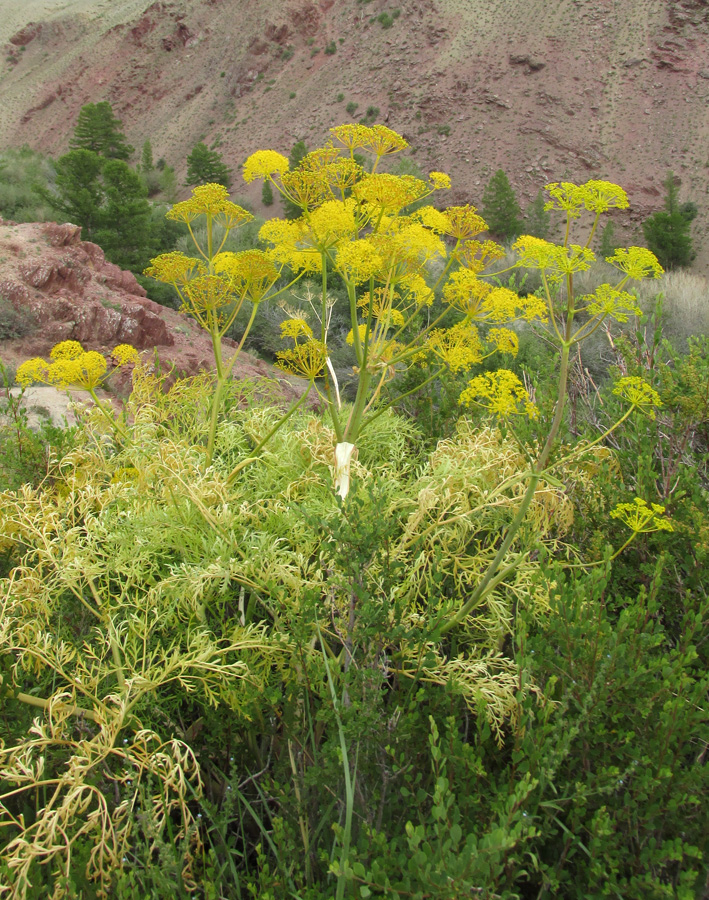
x,y
616,89
62,288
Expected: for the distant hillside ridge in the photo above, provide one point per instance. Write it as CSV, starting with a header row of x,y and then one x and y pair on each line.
x,y
578,89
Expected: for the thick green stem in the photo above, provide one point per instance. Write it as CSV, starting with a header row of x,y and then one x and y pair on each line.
x,y
45,704
354,423
222,379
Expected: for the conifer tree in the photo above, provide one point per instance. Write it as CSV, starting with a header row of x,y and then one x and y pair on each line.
x,y
124,230
267,194
78,191
146,157
206,166
108,200
500,207
667,231
537,218
99,130
608,244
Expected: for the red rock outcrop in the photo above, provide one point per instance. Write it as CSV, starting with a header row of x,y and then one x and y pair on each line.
x,y
67,290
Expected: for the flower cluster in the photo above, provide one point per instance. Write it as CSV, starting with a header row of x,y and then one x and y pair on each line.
x,y
211,200
595,196
250,274
306,360
638,393
72,367
610,302
458,347
500,392
557,260
641,517
636,262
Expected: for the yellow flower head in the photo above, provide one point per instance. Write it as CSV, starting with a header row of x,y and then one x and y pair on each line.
x,y
306,188
600,196
383,308
332,222
307,360
477,255
289,239
66,350
86,371
504,340
607,301
500,305
264,164
439,181
465,292
637,262
533,307
565,196
500,392
431,218
206,293
295,328
174,268
361,329
341,176
124,354
464,222
357,261
250,272
641,517
383,141
352,136
416,289
389,192
534,252
30,371
638,393
458,347
210,200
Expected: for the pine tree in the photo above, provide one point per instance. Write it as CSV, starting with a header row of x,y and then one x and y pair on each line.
x,y
206,166
500,208
608,244
299,150
267,194
108,200
124,230
667,231
146,157
537,218
99,130
78,191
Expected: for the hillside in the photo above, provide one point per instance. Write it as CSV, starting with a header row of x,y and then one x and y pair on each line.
x,y
575,89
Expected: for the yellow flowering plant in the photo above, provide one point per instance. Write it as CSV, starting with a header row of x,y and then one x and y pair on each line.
x,y
567,320
357,224
73,368
214,286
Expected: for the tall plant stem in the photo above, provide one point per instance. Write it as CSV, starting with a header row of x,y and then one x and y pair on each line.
x,y
222,379
119,429
349,787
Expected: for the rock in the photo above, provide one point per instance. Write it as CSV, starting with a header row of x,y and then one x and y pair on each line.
x,y
70,291
23,37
